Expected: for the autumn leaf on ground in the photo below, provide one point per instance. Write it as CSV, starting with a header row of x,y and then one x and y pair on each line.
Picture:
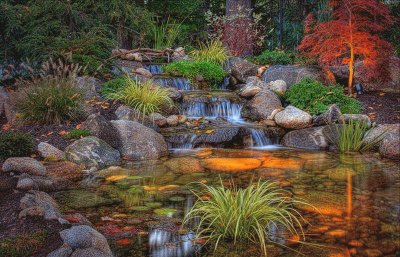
x,y
50,133
6,127
78,126
63,132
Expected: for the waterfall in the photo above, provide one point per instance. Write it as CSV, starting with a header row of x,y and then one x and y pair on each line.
x,y
259,139
184,142
225,84
155,69
212,108
176,82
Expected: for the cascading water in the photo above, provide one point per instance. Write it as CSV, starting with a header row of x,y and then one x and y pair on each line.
x,y
176,82
155,69
212,108
259,139
183,142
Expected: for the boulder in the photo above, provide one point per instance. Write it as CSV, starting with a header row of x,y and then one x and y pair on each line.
x,y
389,147
174,93
261,106
240,68
47,151
64,169
381,131
249,91
158,119
126,113
122,67
63,251
24,165
291,74
90,252
179,54
356,117
90,87
100,127
293,118
143,72
331,116
174,120
82,237
278,86
92,152
48,184
39,199
309,138
138,141
3,98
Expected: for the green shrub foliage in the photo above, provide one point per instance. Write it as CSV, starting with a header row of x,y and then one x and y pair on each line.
x,y
274,57
312,96
210,72
15,144
114,85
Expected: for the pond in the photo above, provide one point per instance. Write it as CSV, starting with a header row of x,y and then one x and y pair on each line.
x,y
140,207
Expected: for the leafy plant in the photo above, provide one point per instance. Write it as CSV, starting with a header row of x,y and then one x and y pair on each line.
x,y
77,133
53,97
23,245
210,72
144,97
213,51
244,214
274,57
114,85
313,97
165,35
352,137
15,144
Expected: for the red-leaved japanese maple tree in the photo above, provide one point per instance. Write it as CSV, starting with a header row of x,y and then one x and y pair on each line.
x,y
351,34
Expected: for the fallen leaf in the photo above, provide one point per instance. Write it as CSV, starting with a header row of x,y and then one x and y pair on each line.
x,y
50,133
62,132
78,126
124,241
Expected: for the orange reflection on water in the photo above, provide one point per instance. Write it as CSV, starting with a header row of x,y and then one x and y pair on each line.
x,y
231,164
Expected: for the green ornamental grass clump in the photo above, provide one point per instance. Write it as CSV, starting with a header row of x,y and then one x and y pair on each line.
x,y
244,214
213,52
114,85
312,96
145,97
15,144
211,72
274,57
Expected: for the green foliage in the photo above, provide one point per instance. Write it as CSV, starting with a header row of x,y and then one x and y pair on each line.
x,y
213,52
244,214
312,96
22,245
52,98
211,72
165,35
77,134
15,144
144,97
113,85
352,137
274,57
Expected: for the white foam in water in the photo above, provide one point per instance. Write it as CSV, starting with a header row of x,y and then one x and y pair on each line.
x,y
178,83
259,139
160,242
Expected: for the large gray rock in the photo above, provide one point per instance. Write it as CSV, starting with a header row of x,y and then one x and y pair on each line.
x,y
63,251
126,113
278,86
240,68
92,152
293,118
81,237
390,146
138,141
90,252
252,87
291,74
24,165
158,119
331,116
39,199
309,138
47,184
380,132
47,151
261,106
90,86
102,128
356,117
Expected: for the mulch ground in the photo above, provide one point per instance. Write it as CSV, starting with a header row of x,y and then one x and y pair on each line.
x,y
381,107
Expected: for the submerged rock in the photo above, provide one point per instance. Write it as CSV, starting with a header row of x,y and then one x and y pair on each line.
x,y
138,141
291,74
24,165
101,128
48,151
293,118
78,199
92,152
309,138
231,164
261,106
184,165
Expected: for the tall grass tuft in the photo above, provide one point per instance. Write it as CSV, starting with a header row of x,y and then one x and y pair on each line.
x,y
144,97
246,214
53,97
165,35
213,51
352,137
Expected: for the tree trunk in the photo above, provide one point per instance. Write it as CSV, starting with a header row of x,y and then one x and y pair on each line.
x,y
239,32
351,70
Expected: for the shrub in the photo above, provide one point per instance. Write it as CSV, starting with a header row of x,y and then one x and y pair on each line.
x,y
144,97
77,133
211,72
165,35
15,144
244,214
113,85
52,98
352,135
274,57
23,245
213,52
313,97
